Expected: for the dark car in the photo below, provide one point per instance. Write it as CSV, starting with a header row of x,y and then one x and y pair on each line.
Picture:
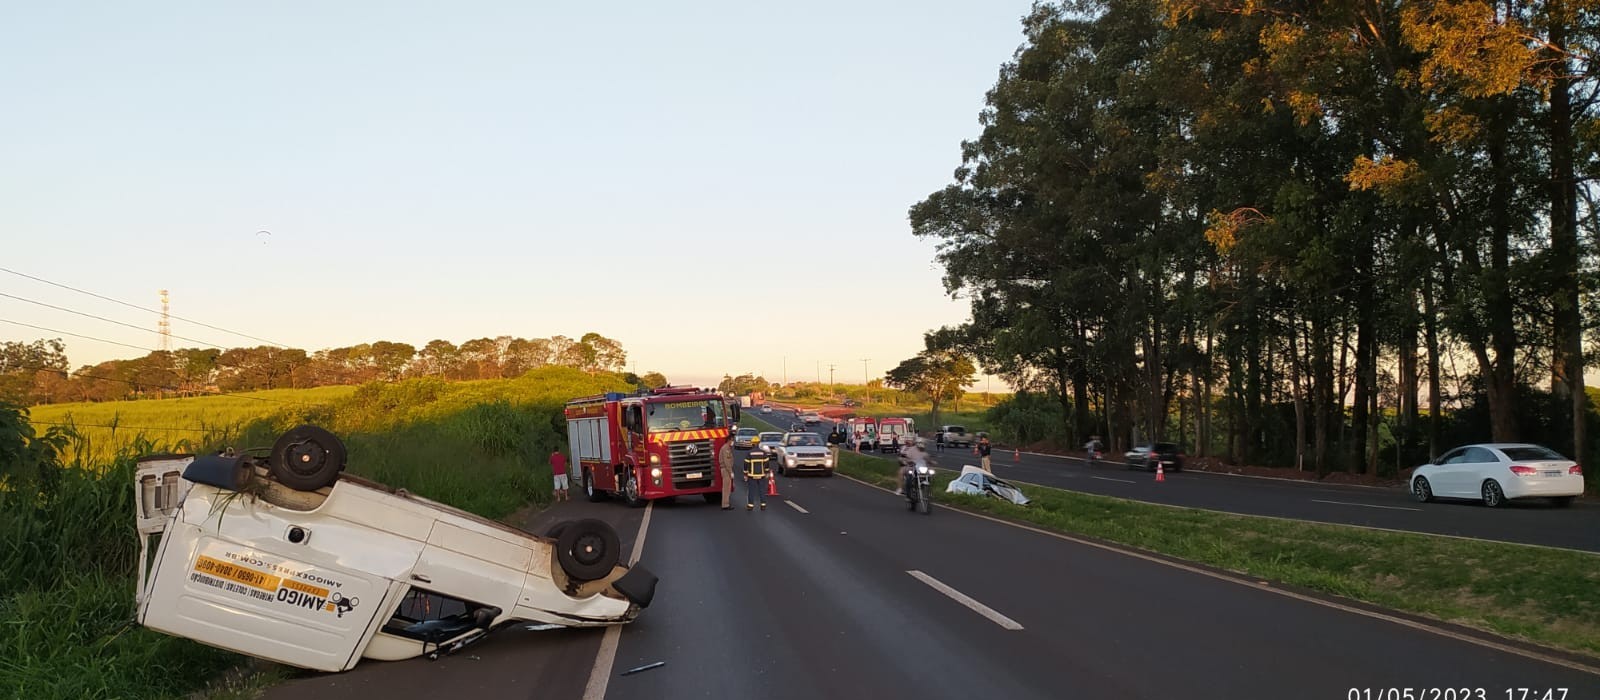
x,y
1166,454
797,427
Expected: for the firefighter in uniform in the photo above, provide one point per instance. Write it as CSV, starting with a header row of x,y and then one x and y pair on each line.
x,y
725,463
755,478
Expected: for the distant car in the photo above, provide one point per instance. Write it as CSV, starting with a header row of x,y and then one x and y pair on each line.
x,y
810,417
1146,457
745,438
768,441
766,409
977,482
849,402
1496,473
797,427
803,452
955,435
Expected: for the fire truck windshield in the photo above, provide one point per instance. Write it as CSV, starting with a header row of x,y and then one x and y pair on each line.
x,y
685,415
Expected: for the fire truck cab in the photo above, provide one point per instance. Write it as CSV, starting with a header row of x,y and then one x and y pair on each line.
x,y
653,444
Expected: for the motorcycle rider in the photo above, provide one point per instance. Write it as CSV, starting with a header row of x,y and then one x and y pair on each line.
x,y
911,457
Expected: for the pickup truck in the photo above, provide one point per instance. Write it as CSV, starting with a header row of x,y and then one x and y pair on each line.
x,y
284,558
954,435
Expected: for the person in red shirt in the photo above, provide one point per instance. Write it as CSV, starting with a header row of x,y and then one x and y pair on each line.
x,y
558,467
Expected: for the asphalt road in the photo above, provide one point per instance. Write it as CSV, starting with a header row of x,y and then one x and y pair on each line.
x,y
836,590
1574,527
822,603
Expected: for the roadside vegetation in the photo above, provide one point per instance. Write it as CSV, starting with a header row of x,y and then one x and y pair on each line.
x,y
67,551
1546,596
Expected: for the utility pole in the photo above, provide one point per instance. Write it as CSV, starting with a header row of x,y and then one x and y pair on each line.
x,y
164,327
786,370
864,383
830,375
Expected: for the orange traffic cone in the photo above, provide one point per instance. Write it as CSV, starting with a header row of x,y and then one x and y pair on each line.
x,y
1161,474
1016,454
772,486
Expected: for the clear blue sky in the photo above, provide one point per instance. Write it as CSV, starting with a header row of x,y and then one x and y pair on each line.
x,y
468,169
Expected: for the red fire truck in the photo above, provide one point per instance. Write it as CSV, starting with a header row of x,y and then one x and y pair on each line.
x,y
652,444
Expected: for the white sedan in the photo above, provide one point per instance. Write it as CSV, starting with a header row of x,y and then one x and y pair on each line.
x,y
1497,473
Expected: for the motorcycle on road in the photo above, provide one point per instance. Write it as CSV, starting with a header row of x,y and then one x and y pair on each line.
x,y
918,486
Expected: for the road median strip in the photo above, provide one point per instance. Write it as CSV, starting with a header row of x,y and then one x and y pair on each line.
x,y
1549,597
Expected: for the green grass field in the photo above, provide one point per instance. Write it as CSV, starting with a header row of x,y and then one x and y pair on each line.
x,y
67,547
180,423
1548,596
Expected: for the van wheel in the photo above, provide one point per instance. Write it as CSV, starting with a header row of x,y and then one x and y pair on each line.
x,y
306,458
587,549
595,495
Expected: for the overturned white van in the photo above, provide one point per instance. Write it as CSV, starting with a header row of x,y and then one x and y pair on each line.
x,y
284,558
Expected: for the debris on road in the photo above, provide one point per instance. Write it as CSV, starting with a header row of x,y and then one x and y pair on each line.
x,y
645,667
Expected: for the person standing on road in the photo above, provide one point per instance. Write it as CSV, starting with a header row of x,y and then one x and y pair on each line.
x,y
725,464
1092,447
983,448
755,478
558,468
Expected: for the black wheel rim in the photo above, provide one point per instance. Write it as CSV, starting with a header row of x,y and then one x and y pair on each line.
x,y
305,457
589,549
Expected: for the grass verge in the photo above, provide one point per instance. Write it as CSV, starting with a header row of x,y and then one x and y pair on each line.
x,y
1546,596
67,548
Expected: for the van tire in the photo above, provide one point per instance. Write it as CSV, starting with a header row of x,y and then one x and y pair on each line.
x,y
587,549
307,458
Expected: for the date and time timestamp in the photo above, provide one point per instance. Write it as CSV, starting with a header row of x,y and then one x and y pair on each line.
x,y
1459,693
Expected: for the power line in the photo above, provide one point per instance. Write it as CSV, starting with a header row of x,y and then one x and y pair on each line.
x,y
75,335
107,320
141,308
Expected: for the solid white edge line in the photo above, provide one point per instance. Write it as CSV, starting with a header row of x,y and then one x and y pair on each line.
x,y
1413,624
600,674
796,506
964,599
1365,505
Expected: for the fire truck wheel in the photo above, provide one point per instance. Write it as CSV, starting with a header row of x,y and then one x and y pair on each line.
x,y
630,489
588,549
594,494
306,458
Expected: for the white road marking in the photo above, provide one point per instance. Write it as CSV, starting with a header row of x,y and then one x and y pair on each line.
x,y
1107,478
1413,624
600,675
966,600
796,506
1365,505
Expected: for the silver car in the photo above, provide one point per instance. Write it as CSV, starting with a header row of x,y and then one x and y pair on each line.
x,y
803,452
